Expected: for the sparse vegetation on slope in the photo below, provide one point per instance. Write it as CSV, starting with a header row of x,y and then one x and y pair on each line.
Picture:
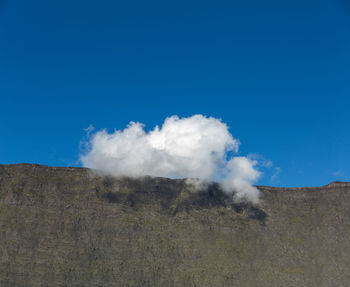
x,y
67,227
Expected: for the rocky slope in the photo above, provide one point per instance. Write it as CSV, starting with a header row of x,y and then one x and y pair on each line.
x,y
68,227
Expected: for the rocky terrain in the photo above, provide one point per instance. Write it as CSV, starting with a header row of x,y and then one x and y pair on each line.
x,y
68,227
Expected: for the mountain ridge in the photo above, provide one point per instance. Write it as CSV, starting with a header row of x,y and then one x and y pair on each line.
x,y
71,168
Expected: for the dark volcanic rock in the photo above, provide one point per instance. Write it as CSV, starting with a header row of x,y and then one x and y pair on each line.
x,y
69,227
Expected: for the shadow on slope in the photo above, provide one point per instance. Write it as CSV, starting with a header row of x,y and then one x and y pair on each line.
x,y
171,196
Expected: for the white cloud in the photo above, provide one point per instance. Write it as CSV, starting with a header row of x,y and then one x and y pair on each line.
x,y
339,173
274,177
262,161
240,173
193,147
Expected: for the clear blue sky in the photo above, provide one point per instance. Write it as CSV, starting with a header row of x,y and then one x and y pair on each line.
x,y
277,72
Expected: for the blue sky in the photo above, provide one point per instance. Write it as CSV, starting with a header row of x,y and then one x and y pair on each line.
x,y
277,72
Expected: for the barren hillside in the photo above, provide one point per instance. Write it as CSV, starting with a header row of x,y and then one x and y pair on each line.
x,y
68,227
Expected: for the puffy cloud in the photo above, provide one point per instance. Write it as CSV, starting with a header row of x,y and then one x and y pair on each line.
x,y
193,147
240,173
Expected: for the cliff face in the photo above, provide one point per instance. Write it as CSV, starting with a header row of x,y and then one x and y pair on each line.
x,y
67,227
